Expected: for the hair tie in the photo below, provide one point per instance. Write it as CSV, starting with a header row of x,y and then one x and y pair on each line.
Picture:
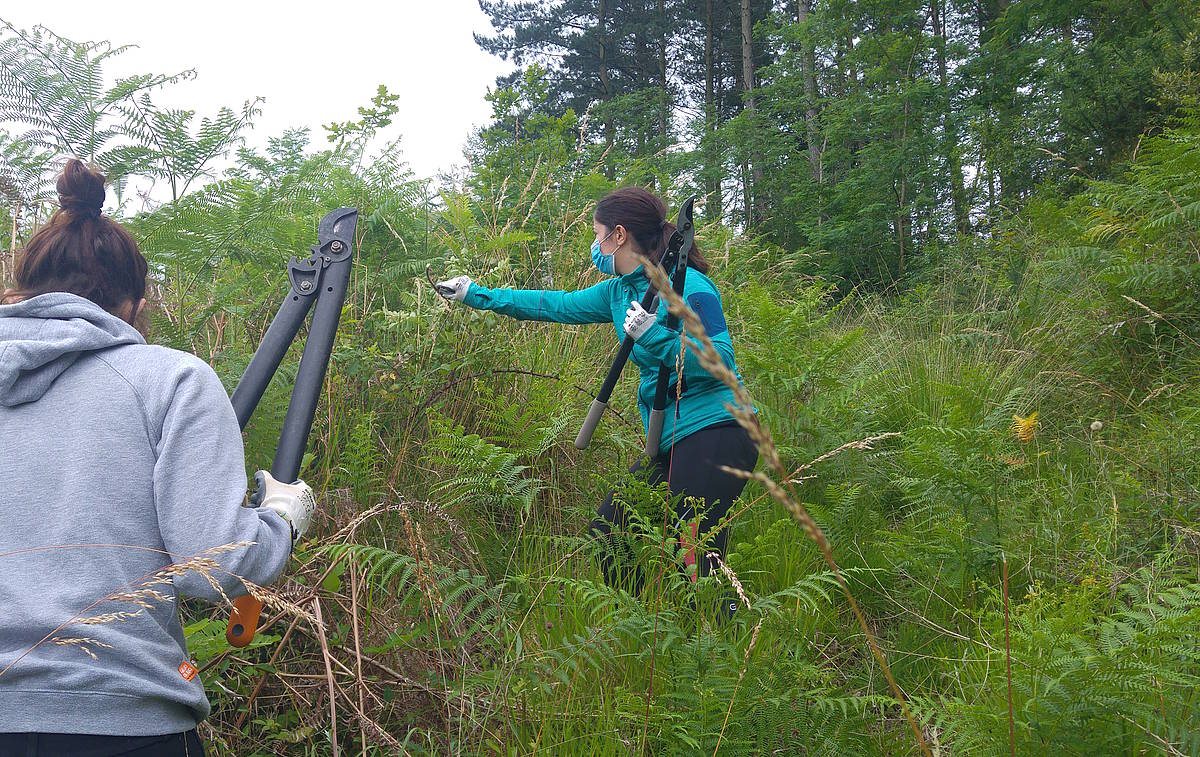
x,y
79,207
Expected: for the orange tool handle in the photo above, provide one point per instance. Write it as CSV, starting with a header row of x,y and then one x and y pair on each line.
x,y
243,621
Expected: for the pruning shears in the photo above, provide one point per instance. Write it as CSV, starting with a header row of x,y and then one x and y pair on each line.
x,y
319,284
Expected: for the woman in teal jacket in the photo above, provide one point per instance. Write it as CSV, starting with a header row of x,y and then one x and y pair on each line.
x,y
699,434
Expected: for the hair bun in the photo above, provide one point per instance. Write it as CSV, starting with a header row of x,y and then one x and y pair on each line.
x,y
81,189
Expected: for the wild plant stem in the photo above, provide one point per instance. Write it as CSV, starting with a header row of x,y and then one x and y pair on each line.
x,y
1012,732
325,654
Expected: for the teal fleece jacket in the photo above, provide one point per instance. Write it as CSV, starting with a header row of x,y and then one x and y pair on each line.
x,y
704,397
117,459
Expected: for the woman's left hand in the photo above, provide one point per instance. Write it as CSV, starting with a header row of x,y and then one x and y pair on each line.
x,y
637,320
454,289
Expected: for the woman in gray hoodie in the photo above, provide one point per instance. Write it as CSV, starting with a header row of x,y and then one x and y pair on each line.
x,y
122,482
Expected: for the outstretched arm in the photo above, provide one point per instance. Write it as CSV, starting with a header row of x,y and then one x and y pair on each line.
x,y
589,305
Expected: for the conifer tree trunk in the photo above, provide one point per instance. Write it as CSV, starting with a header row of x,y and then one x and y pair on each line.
x,y
998,104
808,66
610,129
747,199
747,56
641,57
958,192
902,212
713,180
664,111
752,212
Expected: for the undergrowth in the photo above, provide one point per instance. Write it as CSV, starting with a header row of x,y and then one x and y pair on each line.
x,y
1034,398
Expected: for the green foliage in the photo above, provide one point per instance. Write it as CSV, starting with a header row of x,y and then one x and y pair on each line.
x,y
867,135
480,473
56,91
164,148
452,559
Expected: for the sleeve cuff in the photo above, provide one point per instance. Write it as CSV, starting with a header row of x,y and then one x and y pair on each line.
x,y
473,293
657,334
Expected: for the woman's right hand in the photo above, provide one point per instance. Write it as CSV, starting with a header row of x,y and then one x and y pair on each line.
x,y
293,501
454,289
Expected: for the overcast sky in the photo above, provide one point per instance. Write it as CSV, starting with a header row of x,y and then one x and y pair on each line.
x,y
313,62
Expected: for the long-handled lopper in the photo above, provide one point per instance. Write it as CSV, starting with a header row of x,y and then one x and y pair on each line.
x,y
658,410
600,404
318,284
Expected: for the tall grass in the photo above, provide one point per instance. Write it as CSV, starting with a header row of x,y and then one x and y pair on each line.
x,y
463,609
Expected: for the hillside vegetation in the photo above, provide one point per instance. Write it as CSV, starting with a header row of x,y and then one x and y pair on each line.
x,y
998,439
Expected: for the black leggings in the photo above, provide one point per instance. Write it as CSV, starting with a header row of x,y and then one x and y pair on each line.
x,y
185,744
690,468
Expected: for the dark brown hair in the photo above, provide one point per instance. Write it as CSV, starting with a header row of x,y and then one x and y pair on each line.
x,y
79,250
644,216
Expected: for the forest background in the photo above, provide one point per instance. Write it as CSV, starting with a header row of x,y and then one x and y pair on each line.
x,y
958,245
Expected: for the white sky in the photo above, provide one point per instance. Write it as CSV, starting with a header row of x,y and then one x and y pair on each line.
x,y
313,62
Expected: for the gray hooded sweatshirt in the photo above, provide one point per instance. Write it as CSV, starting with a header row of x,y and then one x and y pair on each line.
x,y
117,459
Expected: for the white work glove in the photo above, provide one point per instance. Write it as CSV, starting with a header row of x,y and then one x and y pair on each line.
x,y
637,320
293,501
455,288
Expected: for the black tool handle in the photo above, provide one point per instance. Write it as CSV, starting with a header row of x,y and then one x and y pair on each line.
x,y
310,376
596,411
270,352
686,228
323,278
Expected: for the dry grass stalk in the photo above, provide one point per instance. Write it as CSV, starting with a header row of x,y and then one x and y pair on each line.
x,y
533,176
421,553
367,724
861,444
263,679
83,644
328,675
108,617
357,648
355,703
279,603
738,685
733,579
1162,318
145,596
743,412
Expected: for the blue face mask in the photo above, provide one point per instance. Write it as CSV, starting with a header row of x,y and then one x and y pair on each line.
x,y
602,261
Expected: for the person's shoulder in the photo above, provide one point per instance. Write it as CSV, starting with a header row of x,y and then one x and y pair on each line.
x,y
158,359
157,372
699,282
163,379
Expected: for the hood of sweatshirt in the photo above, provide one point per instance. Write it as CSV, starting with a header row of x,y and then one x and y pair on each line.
x,y
43,336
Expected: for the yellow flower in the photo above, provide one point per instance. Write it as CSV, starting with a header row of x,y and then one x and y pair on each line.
x,y
1025,428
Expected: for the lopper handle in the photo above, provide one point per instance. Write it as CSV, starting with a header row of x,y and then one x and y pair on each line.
x,y
595,413
243,621
329,267
654,433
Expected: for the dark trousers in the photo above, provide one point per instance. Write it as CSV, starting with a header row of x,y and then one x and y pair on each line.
x,y
83,745
690,468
